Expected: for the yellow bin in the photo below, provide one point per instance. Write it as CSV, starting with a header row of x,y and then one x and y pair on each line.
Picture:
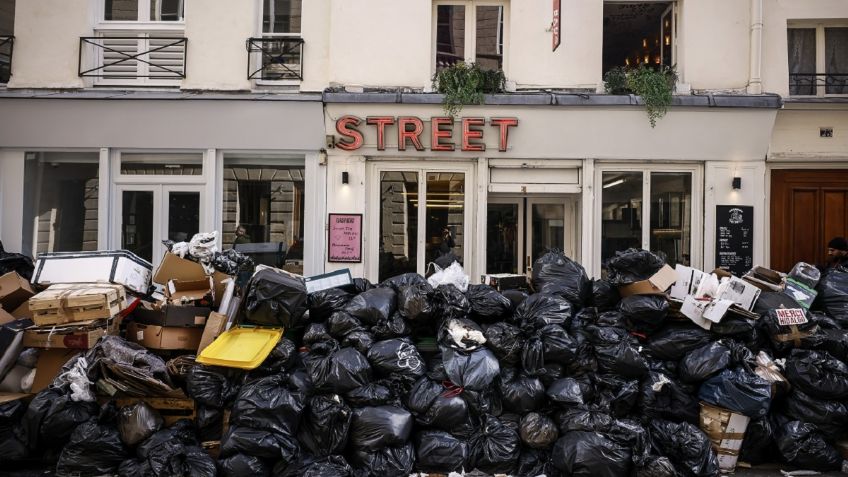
x,y
241,347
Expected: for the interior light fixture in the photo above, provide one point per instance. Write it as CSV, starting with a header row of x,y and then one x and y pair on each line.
x,y
613,183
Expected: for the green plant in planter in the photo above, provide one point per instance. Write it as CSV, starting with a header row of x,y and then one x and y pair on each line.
x,y
463,83
653,85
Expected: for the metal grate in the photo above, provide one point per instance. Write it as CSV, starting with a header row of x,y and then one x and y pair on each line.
x,y
807,84
7,44
274,59
133,57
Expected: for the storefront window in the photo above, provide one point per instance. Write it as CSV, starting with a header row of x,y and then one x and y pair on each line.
x,y
159,164
398,223
621,212
445,213
671,206
502,235
61,202
548,228
137,222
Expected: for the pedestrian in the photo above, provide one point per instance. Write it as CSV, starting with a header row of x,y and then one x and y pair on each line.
x,y
448,243
241,236
837,255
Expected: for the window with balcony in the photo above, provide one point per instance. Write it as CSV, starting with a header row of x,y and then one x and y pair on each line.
x,y
277,55
470,31
818,59
639,33
136,43
7,39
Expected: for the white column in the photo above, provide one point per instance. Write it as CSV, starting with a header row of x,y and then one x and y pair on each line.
x,y
479,243
209,219
12,165
104,200
755,80
587,216
315,206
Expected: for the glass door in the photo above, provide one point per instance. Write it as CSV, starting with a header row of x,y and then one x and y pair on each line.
x,y
505,235
550,225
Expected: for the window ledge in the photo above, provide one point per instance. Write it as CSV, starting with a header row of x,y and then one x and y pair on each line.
x,y
816,99
184,95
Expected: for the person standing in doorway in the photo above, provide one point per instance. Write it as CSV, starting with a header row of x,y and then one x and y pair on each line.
x,y
448,243
241,236
837,255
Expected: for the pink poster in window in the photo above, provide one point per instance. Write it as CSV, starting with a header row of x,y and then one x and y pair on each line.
x,y
345,238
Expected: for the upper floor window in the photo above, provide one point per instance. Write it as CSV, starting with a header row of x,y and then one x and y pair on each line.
x,y
144,10
471,31
818,60
278,54
7,31
637,33
281,17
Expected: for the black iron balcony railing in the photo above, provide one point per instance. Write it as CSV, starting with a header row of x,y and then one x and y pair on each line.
x,y
134,57
808,84
274,59
7,44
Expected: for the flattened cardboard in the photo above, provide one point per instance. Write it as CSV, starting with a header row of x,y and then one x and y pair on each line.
x,y
9,397
799,292
765,279
191,292
14,290
173,267
81,335
214,327
657,284
172,315
50,361
161,337
5,317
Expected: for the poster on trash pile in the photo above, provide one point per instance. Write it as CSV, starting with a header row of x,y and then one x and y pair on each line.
x,y
734,246
344,238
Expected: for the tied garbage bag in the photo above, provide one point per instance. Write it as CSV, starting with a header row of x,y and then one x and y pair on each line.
x,y
396,357
15,262
632,265
12,443
341,324
461,334
802,445
62,416
831,417
435,406
584,418
324,427
283,357
704,362
450,301
617,352
371,394
542,309
487,304
605,295
316,333
590,454
309,466
336,370
210,423
535,462
95,447
275,298
537,430
494,448
556,274
259,443
547,346
373,306
506,342
660,397
515,297
439,451
758,446
566,392
324,303
359,340
520,394
241,465
269,403
386,462
686,446
645,312
674,341
137,422
231,262
658,467
617,394
211,385
818,374
475,371
374,428
415,303
738,390
833,295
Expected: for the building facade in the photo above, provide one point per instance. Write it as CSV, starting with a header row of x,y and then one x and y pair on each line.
x,y
128,122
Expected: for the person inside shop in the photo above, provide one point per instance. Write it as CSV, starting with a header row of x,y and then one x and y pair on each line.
x,y
241,236
837,255
448,243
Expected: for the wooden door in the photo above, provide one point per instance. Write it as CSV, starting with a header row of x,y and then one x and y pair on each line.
x,y
808,208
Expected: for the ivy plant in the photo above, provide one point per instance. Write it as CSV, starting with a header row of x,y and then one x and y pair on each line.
x,y
653,85
466,83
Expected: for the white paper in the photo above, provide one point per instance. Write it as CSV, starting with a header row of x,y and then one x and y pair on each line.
x,y
694,310
708,287
739,291
688,280
716,309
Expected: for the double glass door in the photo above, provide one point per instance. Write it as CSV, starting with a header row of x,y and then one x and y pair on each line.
x,y
148,214
521,229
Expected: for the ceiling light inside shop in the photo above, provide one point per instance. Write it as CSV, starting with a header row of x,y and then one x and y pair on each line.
x,y
613,183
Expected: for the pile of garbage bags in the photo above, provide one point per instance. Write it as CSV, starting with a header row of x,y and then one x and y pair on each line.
x,y
571,379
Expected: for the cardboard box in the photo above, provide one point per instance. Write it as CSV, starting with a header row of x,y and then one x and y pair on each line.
x,y
799,292
5,317
173,267
65,303
14,290
50,362
79,335
191,292
110,266
161,337
765,279
726,430
504,281
22,311
657,284
171,315
214,327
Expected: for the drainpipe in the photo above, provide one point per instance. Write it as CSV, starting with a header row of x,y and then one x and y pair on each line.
x,y
755,80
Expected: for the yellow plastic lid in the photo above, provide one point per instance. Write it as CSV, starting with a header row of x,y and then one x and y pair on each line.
x,y
243,348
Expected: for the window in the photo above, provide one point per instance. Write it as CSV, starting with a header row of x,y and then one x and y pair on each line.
x,y
818,60
637,33
278,54
143,10
470,31
7,31
60,207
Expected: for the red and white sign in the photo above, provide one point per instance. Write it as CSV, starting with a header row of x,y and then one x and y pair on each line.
x,y
556,24
345,238
790,316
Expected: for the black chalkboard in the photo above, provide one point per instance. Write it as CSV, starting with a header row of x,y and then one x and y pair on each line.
x,y
734,249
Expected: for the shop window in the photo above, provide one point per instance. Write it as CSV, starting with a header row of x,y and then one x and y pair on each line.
x,y
470,31
621,212
278,54
61,203
159,164
398,223
263,212
818,60
7,32
637,33
144,10
503,237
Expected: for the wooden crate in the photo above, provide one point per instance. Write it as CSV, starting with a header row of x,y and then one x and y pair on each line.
x,y
81,302
171,409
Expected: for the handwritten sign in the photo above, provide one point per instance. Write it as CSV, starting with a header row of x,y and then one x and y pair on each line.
x,y
556,25
345,238
735,238
790,316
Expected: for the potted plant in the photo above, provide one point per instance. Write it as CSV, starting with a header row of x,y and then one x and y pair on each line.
x,y
653,85
466,83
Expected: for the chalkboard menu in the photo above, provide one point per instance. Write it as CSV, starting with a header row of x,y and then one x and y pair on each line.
x,y
735,238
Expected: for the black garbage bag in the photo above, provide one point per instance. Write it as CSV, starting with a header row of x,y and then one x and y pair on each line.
x,y
803,445
359,340
832,295
61,418
371,394
439,451
395,327
231,262
487,304
567,392
542,309
758,447
269,403
519,393
674,341
137,422
275,298
398,282
336,370
834,342
373,306
316,333
211,385
645,312
617,352
324,303
475,371
589,454
386,462
686,446
784,338
535,462
631,434
210,423
701,364
537,430
243,465
605,295
584,418
612,318
824,321
741,328
515,297
12,439
461,334
506,342
95,447
658,467
435,406
259,443
660,397
450,302
415,302
324,426
376,427
557,274
738,390
283,357
831,417
632,265
180,432
171,451
341,324
546,346
494,448
396,357
15,262
309,466
133,359
617,394
818,374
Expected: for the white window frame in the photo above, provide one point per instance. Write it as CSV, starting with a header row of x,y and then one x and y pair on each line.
x,y
696,239
471,29
142,23
257,59
821,64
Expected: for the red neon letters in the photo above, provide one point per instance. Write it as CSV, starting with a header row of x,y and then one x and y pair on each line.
x,y
410,129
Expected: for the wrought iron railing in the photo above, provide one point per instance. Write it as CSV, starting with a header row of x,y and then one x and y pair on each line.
x,y
808,84
7,44
274,59
134,57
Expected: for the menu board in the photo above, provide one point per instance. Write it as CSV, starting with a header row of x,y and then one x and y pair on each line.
x,y
734,249
345,238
